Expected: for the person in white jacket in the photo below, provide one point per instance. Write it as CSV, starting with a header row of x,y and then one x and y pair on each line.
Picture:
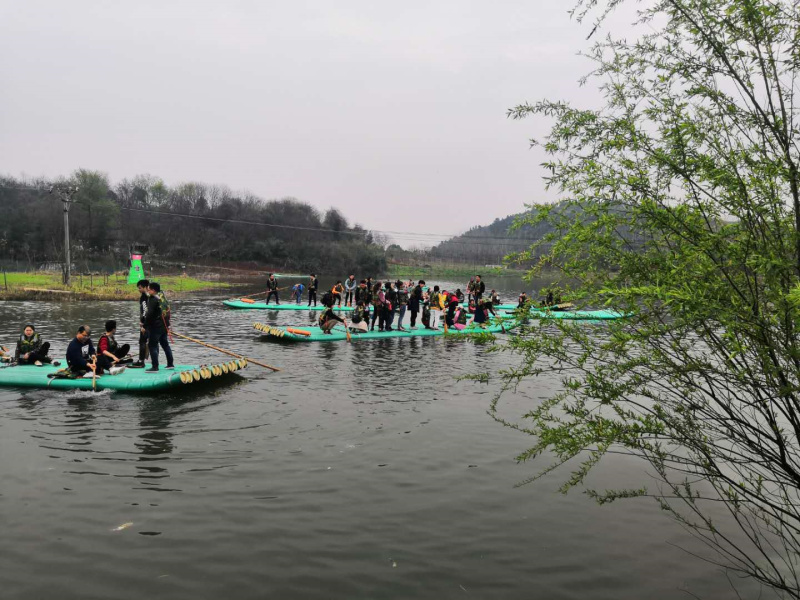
x,y
350,290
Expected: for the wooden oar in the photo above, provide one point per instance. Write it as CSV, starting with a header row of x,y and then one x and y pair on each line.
x,y
347,331
228,352
252,295
94,374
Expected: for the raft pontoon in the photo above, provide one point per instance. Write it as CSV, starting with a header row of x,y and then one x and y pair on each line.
x,y
130,380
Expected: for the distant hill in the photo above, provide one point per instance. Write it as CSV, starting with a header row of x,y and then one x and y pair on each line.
x,y
489,244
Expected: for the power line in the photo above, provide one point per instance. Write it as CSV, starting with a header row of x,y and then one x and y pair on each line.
x,y
420,237
408,235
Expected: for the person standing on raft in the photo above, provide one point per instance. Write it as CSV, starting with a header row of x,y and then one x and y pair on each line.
x,y
272,288
30,349
156,328
415,302
80,352
142,285
109,352
479,289
313,286
337,291
350,291
297,292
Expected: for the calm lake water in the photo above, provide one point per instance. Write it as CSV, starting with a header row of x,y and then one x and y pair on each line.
x,y
359,471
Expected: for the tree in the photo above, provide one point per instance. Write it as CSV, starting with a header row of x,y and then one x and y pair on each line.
x,y
695,151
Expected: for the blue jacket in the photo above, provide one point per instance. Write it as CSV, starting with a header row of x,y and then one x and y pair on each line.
x,y
79,355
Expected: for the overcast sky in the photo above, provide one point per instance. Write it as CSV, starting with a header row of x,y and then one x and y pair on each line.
x,y
394,113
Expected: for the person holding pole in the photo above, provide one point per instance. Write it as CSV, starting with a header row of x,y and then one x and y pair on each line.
x,y
272,288
155,327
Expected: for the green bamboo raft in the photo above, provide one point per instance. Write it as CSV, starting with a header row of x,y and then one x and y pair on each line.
x,y
130,380
337,335
260,305
575,315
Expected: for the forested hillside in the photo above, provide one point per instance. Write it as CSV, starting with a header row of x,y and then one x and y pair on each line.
x,y
489,244
190,222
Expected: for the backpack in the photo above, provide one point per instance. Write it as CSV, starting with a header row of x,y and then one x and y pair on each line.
x,y
327,299
402,297
434,299
358,314
166,311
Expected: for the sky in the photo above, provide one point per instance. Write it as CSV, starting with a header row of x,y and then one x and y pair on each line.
x,y
394,113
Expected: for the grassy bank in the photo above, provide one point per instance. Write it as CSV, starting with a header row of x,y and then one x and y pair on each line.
x,y
48,286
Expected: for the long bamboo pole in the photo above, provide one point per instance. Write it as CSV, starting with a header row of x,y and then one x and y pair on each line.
x,y
228,352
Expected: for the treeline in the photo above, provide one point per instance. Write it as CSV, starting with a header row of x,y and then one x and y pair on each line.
x,y
190,222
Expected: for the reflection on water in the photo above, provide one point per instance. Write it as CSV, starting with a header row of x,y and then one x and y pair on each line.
x,y
359,471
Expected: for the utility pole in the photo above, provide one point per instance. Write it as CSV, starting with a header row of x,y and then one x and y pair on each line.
x,y
65,194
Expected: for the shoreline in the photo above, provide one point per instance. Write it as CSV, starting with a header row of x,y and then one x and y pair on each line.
x,y
48,287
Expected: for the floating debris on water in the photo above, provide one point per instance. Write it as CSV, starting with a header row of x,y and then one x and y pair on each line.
x,y
123,526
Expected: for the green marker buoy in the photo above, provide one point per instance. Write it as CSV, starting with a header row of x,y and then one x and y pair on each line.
x,y
137,269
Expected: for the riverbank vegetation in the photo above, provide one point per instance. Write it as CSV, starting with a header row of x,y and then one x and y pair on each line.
x,y
190,222
48,285
695,148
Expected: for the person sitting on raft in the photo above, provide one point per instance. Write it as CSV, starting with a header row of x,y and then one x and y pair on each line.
x,y
272,288
109,352
452,303
459,295
522,300
494,297
81,352
482,312
360,317
30,349
460,318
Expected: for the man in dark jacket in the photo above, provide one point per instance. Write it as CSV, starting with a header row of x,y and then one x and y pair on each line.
x,y
415,302
142,287
480,289
313,286
272,288
156,329
80,352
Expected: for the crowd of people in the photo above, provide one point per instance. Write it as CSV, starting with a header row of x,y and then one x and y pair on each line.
x,y
84,359
386,303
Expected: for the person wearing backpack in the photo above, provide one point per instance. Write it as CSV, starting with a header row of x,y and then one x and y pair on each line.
x,y
327,300
391,305
360,316
415,302
377,307
436,301
479,289
402,303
